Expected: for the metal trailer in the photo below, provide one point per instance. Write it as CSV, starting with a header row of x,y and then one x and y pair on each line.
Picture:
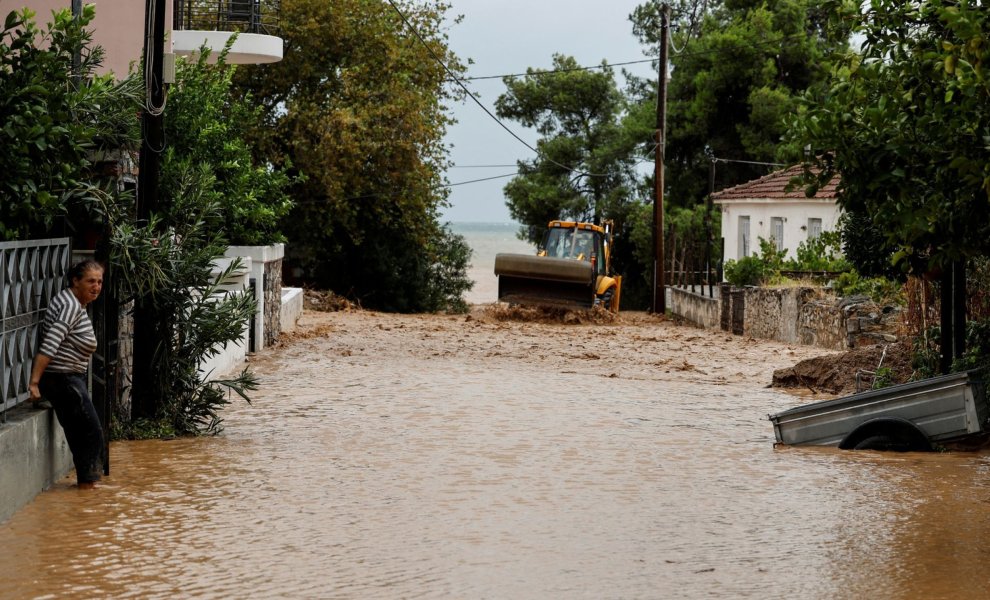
x,y
910,416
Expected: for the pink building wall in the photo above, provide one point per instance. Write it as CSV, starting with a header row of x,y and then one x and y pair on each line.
x,y
118,27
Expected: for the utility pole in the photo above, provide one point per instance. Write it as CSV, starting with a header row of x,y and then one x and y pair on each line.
x,y
76,58
659,305
143,402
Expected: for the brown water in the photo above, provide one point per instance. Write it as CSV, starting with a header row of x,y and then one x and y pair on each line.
x,y
403,457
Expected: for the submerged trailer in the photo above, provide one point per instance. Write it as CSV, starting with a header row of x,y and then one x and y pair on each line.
x,y
910,416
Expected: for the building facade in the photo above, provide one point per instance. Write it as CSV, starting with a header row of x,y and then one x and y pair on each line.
x,y
765,208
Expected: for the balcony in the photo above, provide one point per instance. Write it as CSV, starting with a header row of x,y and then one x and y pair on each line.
x,y
256,23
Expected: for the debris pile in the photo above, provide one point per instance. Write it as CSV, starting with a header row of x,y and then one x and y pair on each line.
x,y
837,373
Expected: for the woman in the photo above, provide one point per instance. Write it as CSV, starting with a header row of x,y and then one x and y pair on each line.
x,y
59,371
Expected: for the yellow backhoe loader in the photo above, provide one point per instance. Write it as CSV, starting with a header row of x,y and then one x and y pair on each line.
x,y
572,269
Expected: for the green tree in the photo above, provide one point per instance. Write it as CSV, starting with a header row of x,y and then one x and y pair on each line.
x,y
866,246
56,121
206,125
906,123
357,105
584,168
737,68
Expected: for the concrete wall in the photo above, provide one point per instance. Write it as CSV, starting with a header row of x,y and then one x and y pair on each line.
x,y
230,357
292,308
700,310
267,276
34,456
278,308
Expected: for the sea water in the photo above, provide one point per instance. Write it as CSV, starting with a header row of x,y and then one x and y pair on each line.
x,y
486,240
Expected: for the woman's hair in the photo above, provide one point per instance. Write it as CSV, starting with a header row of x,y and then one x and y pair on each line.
x,y
79,269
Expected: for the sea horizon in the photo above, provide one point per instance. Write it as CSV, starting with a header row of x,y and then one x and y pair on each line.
x,y
486,239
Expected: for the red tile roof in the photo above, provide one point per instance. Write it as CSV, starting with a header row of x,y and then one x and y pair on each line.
x,y
774,187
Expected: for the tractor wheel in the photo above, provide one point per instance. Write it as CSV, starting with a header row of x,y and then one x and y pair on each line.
x,y
605,300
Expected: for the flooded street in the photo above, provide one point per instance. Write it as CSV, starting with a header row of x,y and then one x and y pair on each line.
x,y
391,456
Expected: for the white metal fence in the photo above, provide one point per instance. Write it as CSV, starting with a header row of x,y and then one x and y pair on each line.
x,y
31,272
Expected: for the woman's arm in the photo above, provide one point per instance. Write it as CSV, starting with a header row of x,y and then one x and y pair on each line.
x,y
40,364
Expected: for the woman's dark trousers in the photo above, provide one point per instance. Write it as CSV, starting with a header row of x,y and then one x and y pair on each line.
x,y
76,414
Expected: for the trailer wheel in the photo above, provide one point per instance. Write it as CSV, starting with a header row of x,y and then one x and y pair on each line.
x,y
885,443
890,434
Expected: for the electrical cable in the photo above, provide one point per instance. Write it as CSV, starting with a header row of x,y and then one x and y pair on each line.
x,y
479,166
568,70
747,162
679,52
478,102
149,64
673,46
447,185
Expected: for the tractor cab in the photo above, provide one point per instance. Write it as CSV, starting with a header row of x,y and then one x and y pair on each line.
x,y
577,241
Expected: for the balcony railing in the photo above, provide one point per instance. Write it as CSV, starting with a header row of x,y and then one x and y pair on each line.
x,y
243,16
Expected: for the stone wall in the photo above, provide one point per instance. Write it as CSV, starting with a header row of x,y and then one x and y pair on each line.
x,y
796,315
273,301
822,324
125,362
868,324
775,313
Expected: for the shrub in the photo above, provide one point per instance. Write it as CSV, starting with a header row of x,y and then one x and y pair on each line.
x,y
927,351
54,117
821,253
166,267
206,124
749,270
879,289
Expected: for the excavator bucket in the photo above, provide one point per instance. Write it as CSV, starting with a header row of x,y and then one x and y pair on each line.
x,y
545,281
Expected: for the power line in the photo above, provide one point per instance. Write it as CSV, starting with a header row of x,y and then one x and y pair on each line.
x,y
393,194
567,70
747,162
478,102
447,185
679,52
479,166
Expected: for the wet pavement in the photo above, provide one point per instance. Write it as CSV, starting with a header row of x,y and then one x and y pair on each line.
x,y
447,457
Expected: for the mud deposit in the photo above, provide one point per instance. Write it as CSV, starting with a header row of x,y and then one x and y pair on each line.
x,y
848,372
494,455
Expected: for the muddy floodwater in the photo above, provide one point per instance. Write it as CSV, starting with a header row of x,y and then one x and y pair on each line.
x,y
395,456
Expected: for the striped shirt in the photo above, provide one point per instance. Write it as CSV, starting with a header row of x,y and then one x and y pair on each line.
x,y
67,335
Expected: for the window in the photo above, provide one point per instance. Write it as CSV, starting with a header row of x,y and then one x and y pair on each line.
x,y
814,228
777,232
743,237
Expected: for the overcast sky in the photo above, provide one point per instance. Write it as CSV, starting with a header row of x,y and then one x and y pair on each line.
x,y
507,36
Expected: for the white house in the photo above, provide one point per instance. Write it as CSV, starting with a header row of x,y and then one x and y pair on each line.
x,y
764,208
